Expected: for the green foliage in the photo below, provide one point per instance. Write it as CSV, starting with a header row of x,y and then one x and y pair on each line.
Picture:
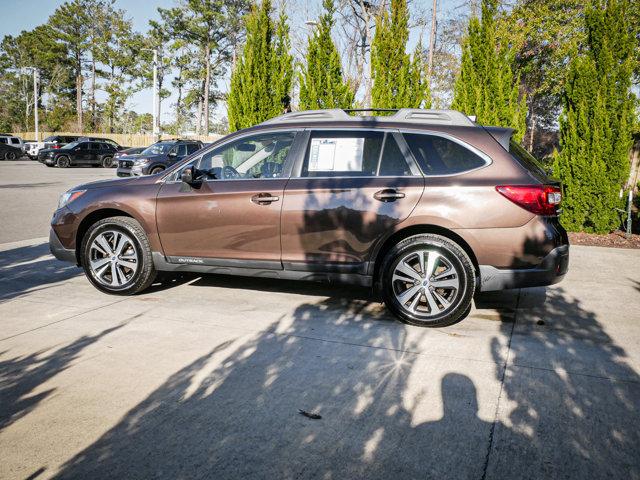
x,y
321,81
595,126
399,81
486,85
261,80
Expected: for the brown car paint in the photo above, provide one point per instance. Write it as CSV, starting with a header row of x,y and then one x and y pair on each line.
x,y
326,224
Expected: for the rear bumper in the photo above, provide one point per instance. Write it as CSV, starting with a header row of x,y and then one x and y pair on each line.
x,y
58,250
551,270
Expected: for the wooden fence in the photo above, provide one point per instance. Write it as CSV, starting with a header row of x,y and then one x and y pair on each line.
x,y
129,140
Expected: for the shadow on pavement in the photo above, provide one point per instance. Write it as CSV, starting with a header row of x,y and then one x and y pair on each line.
x,y
31,268
233,412
21,376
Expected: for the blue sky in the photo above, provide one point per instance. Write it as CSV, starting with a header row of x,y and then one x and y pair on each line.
x,y
26,14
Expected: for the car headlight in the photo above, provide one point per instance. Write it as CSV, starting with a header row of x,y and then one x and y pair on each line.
x,y
68,197
141,161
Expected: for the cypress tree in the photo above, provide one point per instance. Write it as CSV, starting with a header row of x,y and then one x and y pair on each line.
x,y
261,81
399,81
596,122
486,85
321,81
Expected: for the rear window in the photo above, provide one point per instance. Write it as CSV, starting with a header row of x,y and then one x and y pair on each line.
x,y
527,160
442,156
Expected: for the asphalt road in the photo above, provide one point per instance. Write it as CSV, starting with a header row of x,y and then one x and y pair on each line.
x,y
203,377
29,193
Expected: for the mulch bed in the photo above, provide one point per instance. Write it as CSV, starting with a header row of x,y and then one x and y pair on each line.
x,y
615,239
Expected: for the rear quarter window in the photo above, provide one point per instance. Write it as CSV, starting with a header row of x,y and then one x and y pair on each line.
x,y
442,156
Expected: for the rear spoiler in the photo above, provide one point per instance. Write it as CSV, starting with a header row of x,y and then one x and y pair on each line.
x,y
501,134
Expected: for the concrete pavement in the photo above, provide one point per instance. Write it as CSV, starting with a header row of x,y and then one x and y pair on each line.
x,y
202,377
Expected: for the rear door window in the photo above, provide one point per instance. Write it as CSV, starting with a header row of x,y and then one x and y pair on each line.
x,y
441,156
15,141
192,148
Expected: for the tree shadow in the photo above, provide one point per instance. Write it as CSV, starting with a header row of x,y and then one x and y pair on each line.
x,y
570,400
31,268
21,376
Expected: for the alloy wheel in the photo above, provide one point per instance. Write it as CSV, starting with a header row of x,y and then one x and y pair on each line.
x,y
113,258
426,283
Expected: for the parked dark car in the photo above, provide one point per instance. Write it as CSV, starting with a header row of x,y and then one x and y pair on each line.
x,y
425,206
115,144
157,157
99,154
128,151
8,152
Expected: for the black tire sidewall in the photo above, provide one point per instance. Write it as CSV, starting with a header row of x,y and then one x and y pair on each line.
x,y
104,162
10,156
156,170
455,254
63,159
137,283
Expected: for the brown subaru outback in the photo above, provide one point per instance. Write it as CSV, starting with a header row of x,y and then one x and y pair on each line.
x,y
425,206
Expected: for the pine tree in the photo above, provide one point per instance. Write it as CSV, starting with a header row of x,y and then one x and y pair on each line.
x,y
486,85
399,81
321,81
595,126
261,81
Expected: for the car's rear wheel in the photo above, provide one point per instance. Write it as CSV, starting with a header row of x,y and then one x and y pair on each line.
x,y
116,256
63,161
107,162
156,170
428,280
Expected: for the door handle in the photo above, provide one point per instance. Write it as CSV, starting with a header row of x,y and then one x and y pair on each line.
x,y
388,195
264,198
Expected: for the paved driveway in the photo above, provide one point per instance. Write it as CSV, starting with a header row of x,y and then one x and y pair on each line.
x,y
202,377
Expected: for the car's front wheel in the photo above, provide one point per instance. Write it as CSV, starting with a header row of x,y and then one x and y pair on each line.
x,y
428,280
116,256
10,156
63,161
107,162
156,170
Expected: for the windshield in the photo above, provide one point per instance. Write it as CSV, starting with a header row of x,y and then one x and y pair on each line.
x,y
158,148
69,146
526,159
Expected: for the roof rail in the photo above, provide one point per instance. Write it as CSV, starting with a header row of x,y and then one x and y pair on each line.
x,y
403,115
310,116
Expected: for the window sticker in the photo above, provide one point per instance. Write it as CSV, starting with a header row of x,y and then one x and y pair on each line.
x,y
336,154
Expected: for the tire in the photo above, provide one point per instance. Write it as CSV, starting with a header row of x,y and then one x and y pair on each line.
x,y
63,161
10,156
425,303
3,156
156,170
129,280
107,162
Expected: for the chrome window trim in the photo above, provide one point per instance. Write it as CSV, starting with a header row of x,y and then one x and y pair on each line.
x,y
487,159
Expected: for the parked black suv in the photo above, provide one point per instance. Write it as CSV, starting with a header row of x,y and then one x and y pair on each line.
x,y
79,153
157,157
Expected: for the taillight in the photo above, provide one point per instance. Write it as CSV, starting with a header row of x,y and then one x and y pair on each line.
x,y
55,146
538,199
